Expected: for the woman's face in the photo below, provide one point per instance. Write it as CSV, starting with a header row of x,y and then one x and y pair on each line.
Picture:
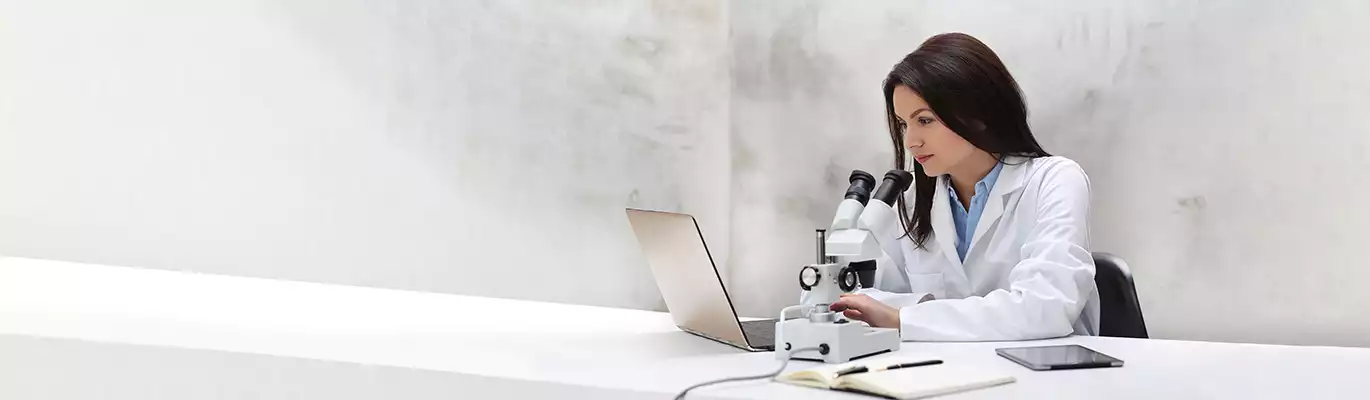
x,y
928,140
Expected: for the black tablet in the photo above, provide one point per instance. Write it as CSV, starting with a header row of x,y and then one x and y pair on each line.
x,y
1071,356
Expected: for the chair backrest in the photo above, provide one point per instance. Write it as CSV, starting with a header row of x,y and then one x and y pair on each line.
x,y
1120,313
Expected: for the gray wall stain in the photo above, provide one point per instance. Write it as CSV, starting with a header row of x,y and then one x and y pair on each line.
x,y
743,156
837,176
643,48
1193,203
626,85
784,63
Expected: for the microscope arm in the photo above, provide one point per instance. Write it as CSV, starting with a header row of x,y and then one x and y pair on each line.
x,y
877,233
883,222
876,228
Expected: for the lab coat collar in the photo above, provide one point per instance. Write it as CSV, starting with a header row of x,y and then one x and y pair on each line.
x,y
943,228
1011,179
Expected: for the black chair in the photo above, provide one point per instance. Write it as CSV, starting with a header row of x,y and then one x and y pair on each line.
x,y
1120,313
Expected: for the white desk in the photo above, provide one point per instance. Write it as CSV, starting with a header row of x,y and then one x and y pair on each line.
x,y
127,333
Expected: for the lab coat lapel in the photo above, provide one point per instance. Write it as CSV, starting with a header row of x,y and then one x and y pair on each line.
x,y
943,228
1010,180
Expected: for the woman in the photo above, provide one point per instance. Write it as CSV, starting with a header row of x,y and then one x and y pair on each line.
x,y
996,247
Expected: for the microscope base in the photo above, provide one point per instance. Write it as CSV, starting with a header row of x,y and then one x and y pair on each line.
x,y
846,340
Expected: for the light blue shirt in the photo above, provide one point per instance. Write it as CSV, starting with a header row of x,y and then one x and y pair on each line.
x,y
966,220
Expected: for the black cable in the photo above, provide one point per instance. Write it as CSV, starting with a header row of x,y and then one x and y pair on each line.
x,y
777,372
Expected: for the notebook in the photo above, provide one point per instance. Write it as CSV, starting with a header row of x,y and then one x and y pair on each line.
x,y
900,384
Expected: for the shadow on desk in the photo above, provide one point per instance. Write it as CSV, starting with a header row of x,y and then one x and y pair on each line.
x,y
46,368
614,346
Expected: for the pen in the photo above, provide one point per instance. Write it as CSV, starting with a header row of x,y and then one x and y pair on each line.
x,y
914,364
862,368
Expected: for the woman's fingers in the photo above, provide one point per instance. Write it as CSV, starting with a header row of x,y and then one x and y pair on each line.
x,y
852,307
866,309
847,302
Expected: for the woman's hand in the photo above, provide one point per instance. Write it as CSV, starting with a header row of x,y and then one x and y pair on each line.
x,y
863,308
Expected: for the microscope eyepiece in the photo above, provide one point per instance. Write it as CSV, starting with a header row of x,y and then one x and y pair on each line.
x,y
861,185
896,182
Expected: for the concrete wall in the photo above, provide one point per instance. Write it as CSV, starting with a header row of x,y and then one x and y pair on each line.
x,y
384,143
1227,143
472,147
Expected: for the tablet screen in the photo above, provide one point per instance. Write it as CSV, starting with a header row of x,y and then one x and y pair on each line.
x,y
1056,356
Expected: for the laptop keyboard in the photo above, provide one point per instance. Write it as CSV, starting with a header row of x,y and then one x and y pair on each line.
x,y
759,333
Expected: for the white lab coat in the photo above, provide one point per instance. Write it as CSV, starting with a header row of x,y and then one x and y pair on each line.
x,y
1028,273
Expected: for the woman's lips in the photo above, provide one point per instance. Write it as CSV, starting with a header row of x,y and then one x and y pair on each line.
x,y
922,159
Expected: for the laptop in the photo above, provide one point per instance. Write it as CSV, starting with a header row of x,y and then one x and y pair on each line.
x,y
689,281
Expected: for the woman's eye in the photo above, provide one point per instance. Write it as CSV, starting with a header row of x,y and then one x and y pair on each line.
x,y
924,121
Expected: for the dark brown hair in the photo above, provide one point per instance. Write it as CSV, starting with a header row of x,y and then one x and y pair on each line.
x,y
971,91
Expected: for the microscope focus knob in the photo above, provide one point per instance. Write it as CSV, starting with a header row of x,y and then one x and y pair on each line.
x,y
823,317
808,277
847,280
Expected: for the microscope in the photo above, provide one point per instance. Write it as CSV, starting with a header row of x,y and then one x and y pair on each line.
x,y
846,262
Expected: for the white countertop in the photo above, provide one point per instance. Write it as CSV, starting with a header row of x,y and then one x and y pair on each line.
x,y
68,316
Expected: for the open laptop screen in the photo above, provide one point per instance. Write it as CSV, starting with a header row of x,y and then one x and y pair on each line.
x,y
685,274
